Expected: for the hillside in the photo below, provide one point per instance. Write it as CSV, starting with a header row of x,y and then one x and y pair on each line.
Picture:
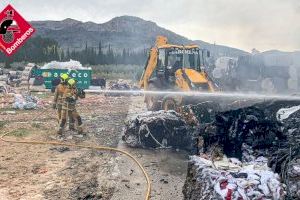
x,y
120,32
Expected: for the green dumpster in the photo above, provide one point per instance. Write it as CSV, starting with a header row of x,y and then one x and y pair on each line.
x,y
82,76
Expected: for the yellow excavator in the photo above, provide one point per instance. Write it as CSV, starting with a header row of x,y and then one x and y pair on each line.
x,y
174,68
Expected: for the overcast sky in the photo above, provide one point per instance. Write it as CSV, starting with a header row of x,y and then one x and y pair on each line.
x,y
245,24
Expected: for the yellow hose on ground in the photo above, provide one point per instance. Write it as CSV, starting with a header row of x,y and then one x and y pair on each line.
x,y
147,197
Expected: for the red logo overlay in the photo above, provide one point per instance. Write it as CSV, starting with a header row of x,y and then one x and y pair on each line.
x,y
14,30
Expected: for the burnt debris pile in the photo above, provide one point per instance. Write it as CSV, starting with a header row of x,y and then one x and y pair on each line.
x,y
200,113
266,131
264,127
158,129
230,179
245,153
286,162
120,85
231,129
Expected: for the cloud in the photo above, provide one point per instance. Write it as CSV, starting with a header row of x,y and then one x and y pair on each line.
x,y
246,24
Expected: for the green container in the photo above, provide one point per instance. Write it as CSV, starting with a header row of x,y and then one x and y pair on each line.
x,y
82,76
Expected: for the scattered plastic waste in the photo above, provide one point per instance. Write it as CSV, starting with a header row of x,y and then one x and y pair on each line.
x,y
72,64
249,181
26,102
284,113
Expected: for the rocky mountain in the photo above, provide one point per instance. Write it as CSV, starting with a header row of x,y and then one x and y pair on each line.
x,y
120,32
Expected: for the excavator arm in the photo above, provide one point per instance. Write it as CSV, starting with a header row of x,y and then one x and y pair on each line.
x,y
149,68
152,62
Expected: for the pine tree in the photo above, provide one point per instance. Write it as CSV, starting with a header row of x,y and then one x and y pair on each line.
x,y
124,56
62,56
73,54
100,54
56,54
68,54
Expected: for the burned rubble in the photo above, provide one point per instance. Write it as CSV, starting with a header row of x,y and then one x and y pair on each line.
x,y
122,85
286,162
230,179
245,153
158,129
266,131
202,112
246,125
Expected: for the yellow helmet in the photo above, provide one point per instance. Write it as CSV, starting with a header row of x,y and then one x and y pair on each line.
x,y
64,76
71,82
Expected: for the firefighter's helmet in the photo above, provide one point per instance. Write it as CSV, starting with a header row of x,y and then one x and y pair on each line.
x,y
71,82
64,77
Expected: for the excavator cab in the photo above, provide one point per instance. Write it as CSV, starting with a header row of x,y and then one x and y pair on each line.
x,y
170,60
174,68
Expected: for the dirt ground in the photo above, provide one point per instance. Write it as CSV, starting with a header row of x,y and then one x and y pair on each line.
x,y
49,172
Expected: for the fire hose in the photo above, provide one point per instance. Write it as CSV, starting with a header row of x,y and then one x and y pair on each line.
x,y
99,148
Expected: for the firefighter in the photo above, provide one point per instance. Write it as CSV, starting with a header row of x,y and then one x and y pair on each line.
x,y
58,94
70,97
